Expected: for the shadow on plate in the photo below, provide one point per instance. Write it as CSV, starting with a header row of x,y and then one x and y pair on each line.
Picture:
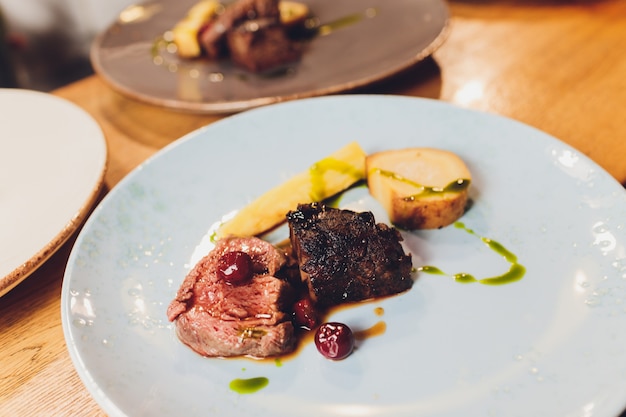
x,y
422,79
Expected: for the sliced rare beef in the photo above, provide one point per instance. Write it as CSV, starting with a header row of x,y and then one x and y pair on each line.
x,y
216,318
261,44
346,256
213,37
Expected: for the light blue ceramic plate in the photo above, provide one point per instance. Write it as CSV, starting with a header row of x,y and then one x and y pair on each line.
x,y
551,344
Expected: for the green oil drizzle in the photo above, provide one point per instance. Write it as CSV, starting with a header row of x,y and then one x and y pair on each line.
x,y
317,170
249,385
515,273
456,186
214,237
342,22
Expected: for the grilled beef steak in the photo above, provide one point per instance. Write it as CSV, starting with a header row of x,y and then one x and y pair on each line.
x,y
216,318
346,256
213,38
261,44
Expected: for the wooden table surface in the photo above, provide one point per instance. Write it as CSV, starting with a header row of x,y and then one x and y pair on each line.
x,y
559,66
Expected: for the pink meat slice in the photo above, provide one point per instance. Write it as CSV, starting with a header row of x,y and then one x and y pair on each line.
x,y
218,319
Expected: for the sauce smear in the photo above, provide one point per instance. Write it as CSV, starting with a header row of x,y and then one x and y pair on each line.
x,y
376,330
249,385
515,273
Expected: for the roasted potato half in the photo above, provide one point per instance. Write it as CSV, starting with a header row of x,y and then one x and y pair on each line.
x,y
420,188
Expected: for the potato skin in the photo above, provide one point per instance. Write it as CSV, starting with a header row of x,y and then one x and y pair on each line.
x,y
427,214
428,167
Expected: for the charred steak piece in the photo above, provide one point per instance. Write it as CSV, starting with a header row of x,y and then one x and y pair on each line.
x,y
261,44
216,318
213,38
346,256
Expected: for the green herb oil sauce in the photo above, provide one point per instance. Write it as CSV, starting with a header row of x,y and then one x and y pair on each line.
x,y
318,169
248,385
455,186
342,22
515,273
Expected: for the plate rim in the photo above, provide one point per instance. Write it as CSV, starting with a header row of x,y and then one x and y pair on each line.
x,y
24,270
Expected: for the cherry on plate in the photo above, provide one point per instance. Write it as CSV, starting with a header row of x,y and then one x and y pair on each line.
x,y
334,340
304,313
235,268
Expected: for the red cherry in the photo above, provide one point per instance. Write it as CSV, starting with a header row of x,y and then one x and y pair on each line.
x,y
304,313
334,340
235,268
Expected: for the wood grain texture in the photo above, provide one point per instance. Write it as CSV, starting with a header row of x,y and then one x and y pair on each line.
x,y
559,66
